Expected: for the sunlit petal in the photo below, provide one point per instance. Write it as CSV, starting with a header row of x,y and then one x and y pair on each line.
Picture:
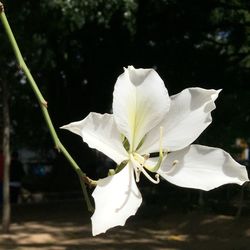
x,y
202,167
100,132
116,199
140,102
188,117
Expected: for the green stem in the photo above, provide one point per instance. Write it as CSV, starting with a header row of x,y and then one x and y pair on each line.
x,y
43,104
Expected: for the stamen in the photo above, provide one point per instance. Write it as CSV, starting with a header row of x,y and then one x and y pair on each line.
x,y
157,165
157,176
160,141
140,168
162,155
137,175
137,172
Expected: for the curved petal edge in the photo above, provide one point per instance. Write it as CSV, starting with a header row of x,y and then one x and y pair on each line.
x,y
116,199
100,132
189,115
203,168
140,102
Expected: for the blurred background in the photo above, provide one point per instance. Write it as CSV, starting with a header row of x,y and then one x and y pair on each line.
x,y
76,49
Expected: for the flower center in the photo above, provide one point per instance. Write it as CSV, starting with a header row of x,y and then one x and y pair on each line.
x,y
138,163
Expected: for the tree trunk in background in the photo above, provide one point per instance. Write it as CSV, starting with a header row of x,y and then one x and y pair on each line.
x,y
6,154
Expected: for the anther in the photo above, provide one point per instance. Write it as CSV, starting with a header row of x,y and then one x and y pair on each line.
x,y
137,172
157,177
137,175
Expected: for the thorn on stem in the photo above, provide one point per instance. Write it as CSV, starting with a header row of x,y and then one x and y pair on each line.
x,y
45,104
58,148
1,7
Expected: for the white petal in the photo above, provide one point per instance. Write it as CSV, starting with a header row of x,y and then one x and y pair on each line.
x,y
140,103
100,132
189,115
203,168
116,199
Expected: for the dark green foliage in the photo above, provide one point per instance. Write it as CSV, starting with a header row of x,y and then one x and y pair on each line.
x,y
76,49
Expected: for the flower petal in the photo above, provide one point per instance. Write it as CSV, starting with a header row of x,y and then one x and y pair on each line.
x,y
140,103
189,115
116,198
100,132
202,167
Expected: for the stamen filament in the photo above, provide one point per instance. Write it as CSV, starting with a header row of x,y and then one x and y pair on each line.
x,y
136,171
139,168
161,155
161,134
157,176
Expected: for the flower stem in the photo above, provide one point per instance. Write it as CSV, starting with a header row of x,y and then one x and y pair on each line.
x,y
43,105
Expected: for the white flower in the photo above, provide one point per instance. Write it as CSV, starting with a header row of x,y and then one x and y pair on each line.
x,y
146,120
